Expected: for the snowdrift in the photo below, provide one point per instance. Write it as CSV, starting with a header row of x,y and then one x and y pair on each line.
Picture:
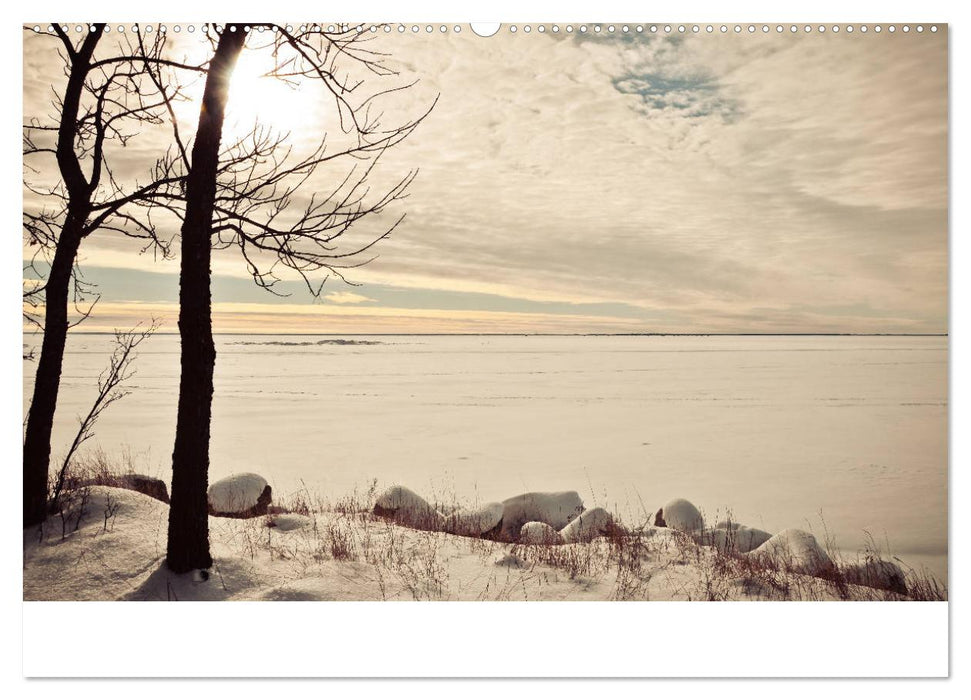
x,y
110,545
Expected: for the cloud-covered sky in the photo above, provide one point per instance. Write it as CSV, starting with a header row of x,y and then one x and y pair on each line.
x,y
636,183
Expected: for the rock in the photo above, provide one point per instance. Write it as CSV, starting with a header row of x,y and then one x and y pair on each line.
x,y
877,573
284,522
556,509
682,515
727,525
749,538
406,507
476,522
148,485
243,495
535,532
795,550
738,540
717,537
659,518
589,525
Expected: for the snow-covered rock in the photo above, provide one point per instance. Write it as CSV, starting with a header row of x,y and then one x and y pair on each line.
x,y
149,485
739,539
793,549
122,556
727,525
244,495
536,532
680,514
877,573
556,509
408,508
474,522
587,526
749,538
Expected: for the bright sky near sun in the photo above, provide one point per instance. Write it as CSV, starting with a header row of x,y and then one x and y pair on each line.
x,y
610,184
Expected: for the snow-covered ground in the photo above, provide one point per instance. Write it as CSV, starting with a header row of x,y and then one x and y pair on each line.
x,y
110,546
840,434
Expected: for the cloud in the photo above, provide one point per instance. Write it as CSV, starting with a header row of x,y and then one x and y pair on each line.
x,y
347,298
233,317
683,97
766,182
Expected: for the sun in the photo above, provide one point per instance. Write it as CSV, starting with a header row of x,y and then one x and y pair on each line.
x,y
301,110
256,97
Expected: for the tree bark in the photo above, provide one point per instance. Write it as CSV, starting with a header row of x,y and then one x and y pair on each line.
x,y
188,534
40,419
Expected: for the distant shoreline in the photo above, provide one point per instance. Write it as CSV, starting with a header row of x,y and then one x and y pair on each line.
x,y
568,335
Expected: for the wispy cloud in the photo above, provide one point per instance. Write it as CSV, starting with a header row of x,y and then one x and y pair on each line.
x,y
234,317
347,298
723,183
684,98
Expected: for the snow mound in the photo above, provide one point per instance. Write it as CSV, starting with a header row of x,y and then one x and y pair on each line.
x,y
535,532
739,539
794,549
682,515
877,573
239,495
474,522
587,526
408,508
103,548
556,509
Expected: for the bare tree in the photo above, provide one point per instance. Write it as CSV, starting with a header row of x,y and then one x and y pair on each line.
x,y
188,533
110,390
105,102
251,194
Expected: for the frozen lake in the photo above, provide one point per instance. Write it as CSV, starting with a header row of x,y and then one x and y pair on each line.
x,y
783,431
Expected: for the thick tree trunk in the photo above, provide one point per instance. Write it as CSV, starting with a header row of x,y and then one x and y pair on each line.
x,y
40,420
188,536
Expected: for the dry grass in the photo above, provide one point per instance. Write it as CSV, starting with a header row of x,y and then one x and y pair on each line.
x,y
95,468
70,503
405,562
725,576
400,558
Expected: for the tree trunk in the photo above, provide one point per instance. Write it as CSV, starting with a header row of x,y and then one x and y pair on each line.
x,y
188,535
40,420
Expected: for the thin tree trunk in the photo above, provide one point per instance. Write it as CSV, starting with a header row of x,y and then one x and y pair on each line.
x,y
188,535
40,420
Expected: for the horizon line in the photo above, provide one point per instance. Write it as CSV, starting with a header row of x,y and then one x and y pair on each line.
x,y
565,335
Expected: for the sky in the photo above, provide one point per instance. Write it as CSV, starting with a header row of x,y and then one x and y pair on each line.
x,y
596,183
